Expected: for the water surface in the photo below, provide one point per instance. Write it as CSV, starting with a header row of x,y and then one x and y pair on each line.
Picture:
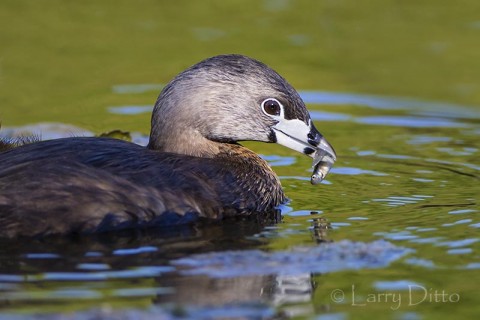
x,y
397,215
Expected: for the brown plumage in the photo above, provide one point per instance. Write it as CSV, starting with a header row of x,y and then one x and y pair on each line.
x,y
193,167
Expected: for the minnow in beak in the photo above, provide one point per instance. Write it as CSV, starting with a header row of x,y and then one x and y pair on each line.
x,y
297,135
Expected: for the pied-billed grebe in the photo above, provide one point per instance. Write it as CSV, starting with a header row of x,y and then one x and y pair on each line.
x,y
192,167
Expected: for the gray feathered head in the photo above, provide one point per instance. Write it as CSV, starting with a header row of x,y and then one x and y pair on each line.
x,y
230,98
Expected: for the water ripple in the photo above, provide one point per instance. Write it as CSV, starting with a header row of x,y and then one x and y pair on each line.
x,y
279,161
395,201
130,110
420,262
395,285
459,243
390,103
136,88
328,257
411,122
461,211
145,249
422,139
460,251
356,171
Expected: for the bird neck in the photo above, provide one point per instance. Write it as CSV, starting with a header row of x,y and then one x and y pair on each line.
x,y
246,162
185,141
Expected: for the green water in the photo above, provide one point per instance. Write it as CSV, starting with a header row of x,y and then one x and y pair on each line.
x,y
407,170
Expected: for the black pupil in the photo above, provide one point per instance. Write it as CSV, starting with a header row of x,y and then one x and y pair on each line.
x,y
272,107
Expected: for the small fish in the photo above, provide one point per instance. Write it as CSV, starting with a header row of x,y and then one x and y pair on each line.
x,y
322,163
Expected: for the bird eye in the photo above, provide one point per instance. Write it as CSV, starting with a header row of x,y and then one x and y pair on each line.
x,y
272,107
